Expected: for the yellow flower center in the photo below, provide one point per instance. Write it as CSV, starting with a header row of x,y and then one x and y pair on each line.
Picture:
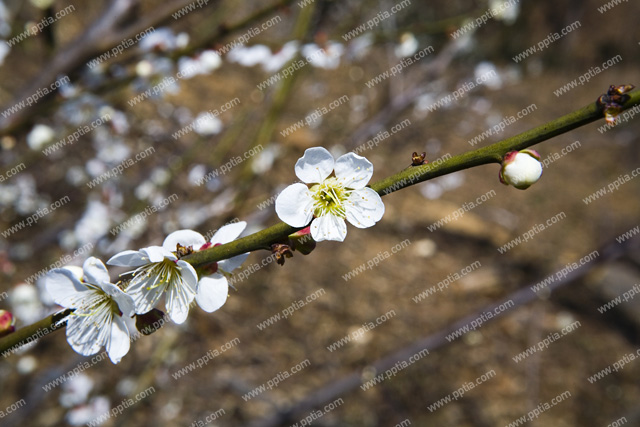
x,y
329,198
165,272
97,302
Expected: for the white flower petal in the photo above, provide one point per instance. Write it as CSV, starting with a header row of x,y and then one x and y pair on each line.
x,y
228,233
315,165
84,335
128,259
294,205
158,253
124,301
364,208
353,171
119,341
212,292
185,238
144,295
178,302
77,271
228,265
95,272
91,326
64,287
328,227
189,275
180,294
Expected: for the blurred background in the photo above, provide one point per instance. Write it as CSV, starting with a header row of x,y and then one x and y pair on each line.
x,y
146,118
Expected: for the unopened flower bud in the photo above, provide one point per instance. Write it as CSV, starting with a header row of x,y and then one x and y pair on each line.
x,y
302,241
521,169
7,323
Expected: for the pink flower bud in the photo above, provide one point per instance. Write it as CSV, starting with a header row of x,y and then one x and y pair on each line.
x,y
520,169
302,241
7,323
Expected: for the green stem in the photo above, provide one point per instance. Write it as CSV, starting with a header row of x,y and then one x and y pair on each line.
x,y
32,332
413,175
410,176
495,152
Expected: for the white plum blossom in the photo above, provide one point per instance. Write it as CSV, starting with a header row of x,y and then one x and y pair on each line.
x,y
249,56
99,308
505,11
160,270
408,45
332,191
161,39
207,124
327,57
40,136
26,304
521,169
280,58
214,287
96,407
489,75
204,63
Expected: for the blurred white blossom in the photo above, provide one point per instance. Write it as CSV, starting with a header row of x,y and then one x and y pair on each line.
x,y
40,136
408,45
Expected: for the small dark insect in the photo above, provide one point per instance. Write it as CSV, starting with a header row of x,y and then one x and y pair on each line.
x,y
183,251
418,159
611,102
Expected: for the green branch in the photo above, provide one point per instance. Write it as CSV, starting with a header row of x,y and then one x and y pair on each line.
x,y
31,332
410,176
413,175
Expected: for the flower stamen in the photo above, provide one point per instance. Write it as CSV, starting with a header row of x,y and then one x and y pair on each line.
x,y
329,198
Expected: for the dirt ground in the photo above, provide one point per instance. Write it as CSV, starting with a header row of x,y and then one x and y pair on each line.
x,y
482,377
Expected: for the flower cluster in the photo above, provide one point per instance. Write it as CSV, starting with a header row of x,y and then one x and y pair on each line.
x,y
101,307
159,270
332,192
